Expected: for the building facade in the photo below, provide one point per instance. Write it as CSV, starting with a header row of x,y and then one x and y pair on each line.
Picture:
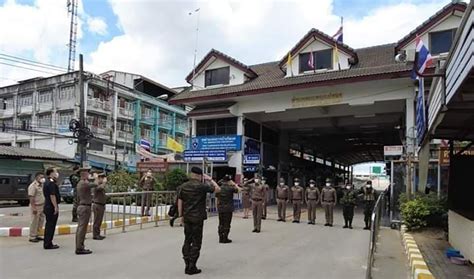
x,y
122,109
319,110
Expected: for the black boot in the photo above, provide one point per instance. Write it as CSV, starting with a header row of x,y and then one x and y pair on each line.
x,y
226,238
366,226
192,268
221,238
345,224
350,224
186,269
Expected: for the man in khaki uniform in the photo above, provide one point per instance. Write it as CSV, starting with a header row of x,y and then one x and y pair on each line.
x,y
147,183
35,193
84,197
282,198
258,194
328,201
297,200
265,199
312,200
98,207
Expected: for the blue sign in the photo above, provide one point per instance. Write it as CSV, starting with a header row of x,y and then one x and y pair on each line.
x,y
250,168
420,113
229,142
199,155
252,159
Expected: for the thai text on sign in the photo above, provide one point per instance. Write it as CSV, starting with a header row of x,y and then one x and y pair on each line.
x,y
317,100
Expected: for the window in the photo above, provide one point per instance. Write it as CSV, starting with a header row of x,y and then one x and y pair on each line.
x,y
252,129
322,60
66,93
25,123
217,76
212,127
25,144
4,181
65,118
25,100
44,120
45,96
441,41
146,133
7,103
8,123
147,113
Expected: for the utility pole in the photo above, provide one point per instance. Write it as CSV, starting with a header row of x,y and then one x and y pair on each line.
x,y
82,109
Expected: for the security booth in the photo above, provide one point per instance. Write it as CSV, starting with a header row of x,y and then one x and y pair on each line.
x,y
451,117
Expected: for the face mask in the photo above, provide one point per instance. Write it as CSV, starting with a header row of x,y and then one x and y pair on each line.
x,y
282,184
348,187
104,180
42,180
369,186
263,182
328,184
311,185
256,180
297,184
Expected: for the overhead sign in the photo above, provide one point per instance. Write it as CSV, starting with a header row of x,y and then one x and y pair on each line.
x,y
444,154
252,159
316,100
376,170
393,150
250,169
228,142
210,155
420,113
155,166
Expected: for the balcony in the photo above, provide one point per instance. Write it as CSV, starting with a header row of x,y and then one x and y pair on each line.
x,y
181,128
99,132
165,123
6,112
125,113
124,136
42,107
148,119
25,109
95,104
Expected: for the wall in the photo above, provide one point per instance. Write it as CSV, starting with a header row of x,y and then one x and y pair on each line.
x,y
450,22
314,46
461,234
236,75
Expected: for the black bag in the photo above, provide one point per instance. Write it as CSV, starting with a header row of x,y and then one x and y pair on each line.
x,y
173,210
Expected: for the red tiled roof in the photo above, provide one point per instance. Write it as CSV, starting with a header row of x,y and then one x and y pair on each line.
x,y
217,54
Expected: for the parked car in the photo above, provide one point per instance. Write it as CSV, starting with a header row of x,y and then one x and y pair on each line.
x,y
66,191
15,188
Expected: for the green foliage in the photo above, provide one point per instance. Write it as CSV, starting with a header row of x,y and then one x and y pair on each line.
x,y
121,181
174,178
422,210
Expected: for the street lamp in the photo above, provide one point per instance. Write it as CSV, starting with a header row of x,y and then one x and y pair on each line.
x,y
162,97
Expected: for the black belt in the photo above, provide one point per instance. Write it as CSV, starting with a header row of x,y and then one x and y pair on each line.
x,y
257,199
100,203
296,199
313,199
282,198
328,201
85,204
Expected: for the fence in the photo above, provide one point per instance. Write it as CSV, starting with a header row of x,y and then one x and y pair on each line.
x,y
377,213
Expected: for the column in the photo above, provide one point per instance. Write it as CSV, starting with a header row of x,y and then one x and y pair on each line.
x,y
239,154
283,153
156,141
138,116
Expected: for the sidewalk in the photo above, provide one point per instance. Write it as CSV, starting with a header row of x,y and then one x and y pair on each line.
x,y
433,244
390,260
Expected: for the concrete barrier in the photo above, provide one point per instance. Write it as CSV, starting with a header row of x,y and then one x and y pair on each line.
x,y
418,267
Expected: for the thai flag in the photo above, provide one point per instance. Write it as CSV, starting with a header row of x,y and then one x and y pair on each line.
x,y
145,144
423,58
338,35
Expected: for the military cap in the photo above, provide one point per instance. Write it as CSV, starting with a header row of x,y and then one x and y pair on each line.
x,y
196,170
312,181
369,182
246,179
85,167
102,174
296,179
282,179
328,180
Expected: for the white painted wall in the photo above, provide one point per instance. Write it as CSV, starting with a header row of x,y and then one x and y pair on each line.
x,y
449,22
461,234
316,45
236,76
125,79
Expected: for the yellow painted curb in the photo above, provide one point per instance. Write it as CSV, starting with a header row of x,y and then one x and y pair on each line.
x,y
145,219
64,229
103,225
133,221
425,276
118,223
157,218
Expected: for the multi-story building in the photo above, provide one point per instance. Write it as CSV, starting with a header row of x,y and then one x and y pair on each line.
x,y
121,110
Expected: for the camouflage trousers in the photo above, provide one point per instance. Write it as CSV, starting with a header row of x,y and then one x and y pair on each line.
x,y
192,240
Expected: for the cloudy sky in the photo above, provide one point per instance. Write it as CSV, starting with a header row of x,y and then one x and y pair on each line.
x,y
156,38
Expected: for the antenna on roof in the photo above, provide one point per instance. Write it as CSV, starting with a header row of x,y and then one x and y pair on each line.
x,y
196,11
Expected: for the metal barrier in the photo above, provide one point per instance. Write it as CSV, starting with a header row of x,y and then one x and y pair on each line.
x,y
377,214
125,209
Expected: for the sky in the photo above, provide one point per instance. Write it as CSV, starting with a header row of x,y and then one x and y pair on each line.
x,y
156,38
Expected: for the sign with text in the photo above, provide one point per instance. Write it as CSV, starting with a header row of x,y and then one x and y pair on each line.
x,y
252,159
228,142
155,166
393,150
210,155
316,100
444,154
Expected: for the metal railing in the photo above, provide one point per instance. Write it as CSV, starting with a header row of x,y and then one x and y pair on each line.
x,y
125,209
375,218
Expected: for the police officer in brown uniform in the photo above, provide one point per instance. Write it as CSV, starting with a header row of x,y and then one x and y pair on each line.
x,y
84,198
192,196
283,193
35,193
98,207
328,201
246,198
312,199
297,200
147,183
225,207
265,199
258,194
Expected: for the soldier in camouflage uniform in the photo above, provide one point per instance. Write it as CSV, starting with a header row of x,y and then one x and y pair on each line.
x,y
225,207
192,198
74,178
369,203
348,201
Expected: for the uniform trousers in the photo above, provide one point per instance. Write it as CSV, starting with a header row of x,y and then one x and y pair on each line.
x,y
225,218
83,216
312,210
281,203
192,239
37,220
328,211
257,210
297,209
50,226
98,210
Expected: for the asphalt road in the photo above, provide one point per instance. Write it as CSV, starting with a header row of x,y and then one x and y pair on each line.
x,y
282,250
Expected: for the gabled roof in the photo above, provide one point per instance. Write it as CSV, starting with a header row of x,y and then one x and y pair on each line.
x,y
374,63
430,22
30,153
217,54
315,33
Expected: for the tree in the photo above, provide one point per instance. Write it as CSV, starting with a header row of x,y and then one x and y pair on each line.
x,y
121,181
174,178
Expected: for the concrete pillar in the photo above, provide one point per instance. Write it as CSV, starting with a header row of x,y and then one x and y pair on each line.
x,y
410,124
283,152
237,162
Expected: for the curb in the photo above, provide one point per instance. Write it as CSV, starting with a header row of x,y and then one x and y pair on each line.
x,y
418,267
71,229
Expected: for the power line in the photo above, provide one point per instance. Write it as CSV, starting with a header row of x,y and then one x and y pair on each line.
x,y
26,68
31,64
32,61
